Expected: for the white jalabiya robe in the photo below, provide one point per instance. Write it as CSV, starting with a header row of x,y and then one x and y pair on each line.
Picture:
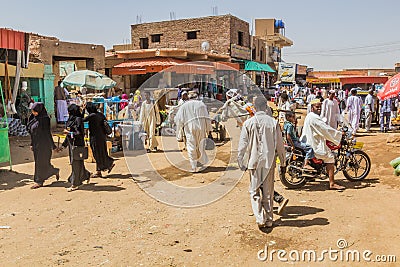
x,y
284,106
193,117
260,140
62,110
330,111
354,105
315,134
150,117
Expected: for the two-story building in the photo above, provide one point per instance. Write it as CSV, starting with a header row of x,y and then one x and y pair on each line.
x,y
156,46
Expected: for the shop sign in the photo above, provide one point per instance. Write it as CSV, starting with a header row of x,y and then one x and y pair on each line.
x,y
301,70
287,72
241,52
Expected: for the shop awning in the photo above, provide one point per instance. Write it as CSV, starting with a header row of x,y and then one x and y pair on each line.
x,y
322,80
145,65
151,65
255,66
11,42
362,79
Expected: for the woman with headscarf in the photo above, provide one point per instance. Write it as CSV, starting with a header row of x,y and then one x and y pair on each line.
x,y
75,138
98,139
42,145
124,102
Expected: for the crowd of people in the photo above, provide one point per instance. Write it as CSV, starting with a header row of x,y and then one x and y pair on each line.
x,y
42,144
261,141
335,102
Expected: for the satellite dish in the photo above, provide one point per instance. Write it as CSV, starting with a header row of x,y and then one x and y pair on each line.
x,y
205,46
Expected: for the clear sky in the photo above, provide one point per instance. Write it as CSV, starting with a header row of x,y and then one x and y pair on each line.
x,y
327,34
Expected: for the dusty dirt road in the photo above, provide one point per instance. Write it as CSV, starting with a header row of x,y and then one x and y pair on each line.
x,y
113,222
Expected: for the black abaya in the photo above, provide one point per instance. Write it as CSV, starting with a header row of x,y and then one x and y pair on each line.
x,y
42,146
98,140
79,172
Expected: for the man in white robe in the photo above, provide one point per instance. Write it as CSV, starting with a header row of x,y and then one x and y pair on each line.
x,y
369,109
330,110
260,140
60,98
353,106
315,134
310,98
194,119
150,118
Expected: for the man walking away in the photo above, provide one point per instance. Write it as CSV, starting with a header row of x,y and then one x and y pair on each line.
x,y
260,140
369,109
354,105
195,121
384,115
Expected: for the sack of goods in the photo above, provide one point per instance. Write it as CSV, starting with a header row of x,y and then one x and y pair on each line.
x,y
16,128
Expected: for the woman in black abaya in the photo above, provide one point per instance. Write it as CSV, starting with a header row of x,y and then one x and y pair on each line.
x,y
98,140
75,138
42,145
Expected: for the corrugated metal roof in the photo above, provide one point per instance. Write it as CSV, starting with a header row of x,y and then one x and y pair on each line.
x,y
10,39
150,62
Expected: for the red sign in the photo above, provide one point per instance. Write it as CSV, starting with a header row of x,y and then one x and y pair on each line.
x,y
390,89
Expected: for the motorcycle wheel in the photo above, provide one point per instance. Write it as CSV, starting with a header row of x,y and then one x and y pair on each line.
x,y
290,179
358,166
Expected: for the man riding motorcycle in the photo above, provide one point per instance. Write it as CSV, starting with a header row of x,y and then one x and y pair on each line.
x,y
315,134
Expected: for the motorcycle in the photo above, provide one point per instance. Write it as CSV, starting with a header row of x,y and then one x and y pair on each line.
x,y
354,163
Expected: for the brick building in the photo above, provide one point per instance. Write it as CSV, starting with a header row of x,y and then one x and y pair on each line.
x,y
51,51
213,38
225,35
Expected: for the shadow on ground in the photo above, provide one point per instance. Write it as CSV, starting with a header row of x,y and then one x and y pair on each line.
x,y
290,217
324,185
11,179
88,187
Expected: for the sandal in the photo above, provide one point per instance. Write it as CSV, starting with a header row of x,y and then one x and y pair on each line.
x,y
308,168
97,175
72,188
36,186
337,187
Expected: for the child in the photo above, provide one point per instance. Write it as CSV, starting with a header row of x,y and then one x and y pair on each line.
x,y
289,128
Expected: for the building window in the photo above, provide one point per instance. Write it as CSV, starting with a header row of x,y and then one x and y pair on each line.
x,y
253,54
240,38
144,43
191,35
261,55
156,38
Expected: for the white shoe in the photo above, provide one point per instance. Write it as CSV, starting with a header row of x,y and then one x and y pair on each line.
x,y
282,205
